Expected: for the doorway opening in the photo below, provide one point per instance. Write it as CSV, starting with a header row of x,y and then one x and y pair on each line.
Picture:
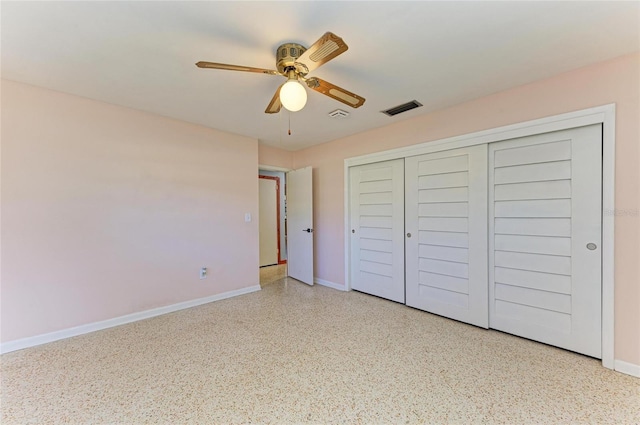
x,y
272,226
296,221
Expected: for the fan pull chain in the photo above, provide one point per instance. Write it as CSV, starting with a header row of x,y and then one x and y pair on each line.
x,y
279,127
289,123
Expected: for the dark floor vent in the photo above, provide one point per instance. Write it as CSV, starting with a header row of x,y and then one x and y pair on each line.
x,y
402,108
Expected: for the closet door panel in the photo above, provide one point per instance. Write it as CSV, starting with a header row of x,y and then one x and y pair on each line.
x,y
446,240
377,229
545,237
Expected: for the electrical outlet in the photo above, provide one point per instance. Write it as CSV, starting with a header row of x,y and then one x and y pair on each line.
x,y
203,273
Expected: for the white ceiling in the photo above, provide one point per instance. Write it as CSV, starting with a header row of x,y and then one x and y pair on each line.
x,y
142,55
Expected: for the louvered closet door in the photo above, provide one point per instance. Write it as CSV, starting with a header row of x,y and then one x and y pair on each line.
x,y
377,229
545,238
446,241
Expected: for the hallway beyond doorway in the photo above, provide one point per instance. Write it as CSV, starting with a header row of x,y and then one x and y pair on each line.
x,y
271,274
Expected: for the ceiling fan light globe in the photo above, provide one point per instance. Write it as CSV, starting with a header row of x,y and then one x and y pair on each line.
x,y
293,96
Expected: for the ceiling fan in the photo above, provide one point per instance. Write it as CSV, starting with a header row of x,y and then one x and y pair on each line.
x,y
295,62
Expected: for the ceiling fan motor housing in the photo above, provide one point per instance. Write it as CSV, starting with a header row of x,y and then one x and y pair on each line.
x,y
286,57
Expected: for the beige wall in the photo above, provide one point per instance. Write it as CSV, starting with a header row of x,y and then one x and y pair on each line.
x,y
108,211
616,81
268,155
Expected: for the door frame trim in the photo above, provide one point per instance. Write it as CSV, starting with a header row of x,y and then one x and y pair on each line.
x,y
604,115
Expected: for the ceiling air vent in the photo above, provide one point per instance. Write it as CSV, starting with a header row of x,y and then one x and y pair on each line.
x,y
402,108
338,113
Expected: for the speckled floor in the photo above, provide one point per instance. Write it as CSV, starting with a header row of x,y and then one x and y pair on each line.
x,y
298,354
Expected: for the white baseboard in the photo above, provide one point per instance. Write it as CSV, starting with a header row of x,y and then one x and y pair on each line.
x,y
328,284
627,368
20,344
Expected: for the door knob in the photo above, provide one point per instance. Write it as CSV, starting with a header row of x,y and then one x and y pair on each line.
x,y
307,230
591,246
353,230
408,235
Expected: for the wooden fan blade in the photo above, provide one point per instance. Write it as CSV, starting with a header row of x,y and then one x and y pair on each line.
x,y
335,92
228,67
274,105
326,48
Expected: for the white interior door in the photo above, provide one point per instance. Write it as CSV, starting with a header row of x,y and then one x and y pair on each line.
x,y
545,235
268,222
300,225
377,229
446,240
